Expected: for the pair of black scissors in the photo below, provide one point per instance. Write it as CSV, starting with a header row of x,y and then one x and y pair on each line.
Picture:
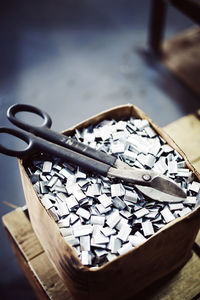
x,y
43,139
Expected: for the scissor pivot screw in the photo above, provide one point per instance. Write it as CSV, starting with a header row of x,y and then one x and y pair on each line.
x,y
146,177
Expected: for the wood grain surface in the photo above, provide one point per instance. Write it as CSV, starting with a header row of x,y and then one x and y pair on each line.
x,y
181,54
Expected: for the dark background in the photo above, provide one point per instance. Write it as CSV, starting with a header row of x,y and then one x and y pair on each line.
x,y
75,59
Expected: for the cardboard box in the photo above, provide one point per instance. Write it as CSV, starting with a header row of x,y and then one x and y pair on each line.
x,y
122,278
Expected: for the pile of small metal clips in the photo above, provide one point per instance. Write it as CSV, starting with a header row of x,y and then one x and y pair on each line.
x,y
103,219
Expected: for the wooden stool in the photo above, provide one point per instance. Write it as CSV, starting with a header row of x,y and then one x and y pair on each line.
x,y
189,8
181,53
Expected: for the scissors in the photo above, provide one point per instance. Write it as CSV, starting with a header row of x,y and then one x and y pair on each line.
x,y
41,138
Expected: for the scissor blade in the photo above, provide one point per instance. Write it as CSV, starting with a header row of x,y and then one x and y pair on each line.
x,y
165,185
158,195
153,185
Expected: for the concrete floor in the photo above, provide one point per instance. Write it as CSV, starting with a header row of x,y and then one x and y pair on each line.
x,y
75,59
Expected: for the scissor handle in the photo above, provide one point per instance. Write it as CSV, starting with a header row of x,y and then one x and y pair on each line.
x,y
22,136
41,145
14,109
46,133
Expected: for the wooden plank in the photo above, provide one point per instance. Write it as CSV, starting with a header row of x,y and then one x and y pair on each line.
x,y
32,258
185,132
181,54
198,239
180,285
21,231
48,278
30,275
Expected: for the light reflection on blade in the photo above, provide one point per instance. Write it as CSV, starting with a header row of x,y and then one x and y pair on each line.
x,y
158,195
167,186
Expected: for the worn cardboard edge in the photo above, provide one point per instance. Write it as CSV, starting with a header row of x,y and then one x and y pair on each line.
x,y
34,193
111,113
137,112
116,112
61,254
